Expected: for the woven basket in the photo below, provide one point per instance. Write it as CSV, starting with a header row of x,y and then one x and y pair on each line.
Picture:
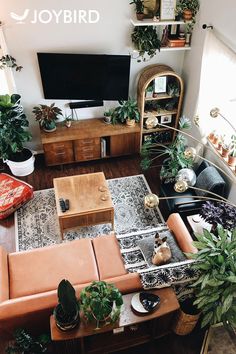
x,y
184,323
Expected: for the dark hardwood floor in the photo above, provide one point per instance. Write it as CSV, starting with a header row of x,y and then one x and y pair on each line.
x,y
42,178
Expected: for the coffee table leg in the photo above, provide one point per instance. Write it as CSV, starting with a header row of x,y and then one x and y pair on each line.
x,y
61,229
113,222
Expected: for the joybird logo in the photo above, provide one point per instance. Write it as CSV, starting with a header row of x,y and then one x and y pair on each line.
x,y
18,18
56,16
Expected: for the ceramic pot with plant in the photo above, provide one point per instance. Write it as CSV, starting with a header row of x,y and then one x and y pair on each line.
x,y
128,112
187,9
211,136
216,140
68,121
101,302
232,155
215,287
13,135
66,313
139,6
225,151
47,116
149,91
108,116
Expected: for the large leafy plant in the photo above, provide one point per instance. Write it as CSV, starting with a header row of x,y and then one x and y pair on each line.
x,y
219,213
215,289
25,343
101,301
46,115
146,41
192,5
126,110
13,122
174,153
139,6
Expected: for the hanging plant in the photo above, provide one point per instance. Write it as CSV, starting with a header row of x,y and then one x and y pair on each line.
x,y
7,61
146,41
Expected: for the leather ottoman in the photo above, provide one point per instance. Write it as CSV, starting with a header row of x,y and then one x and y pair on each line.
x,y
13,194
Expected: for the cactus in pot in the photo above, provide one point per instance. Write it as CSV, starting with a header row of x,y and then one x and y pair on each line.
x,y
66,313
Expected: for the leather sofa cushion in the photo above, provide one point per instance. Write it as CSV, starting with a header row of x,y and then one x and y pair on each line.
x,y
41,270
4,278
182,236
108,256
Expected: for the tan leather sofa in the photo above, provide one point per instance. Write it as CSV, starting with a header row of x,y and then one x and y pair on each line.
x,y
28,280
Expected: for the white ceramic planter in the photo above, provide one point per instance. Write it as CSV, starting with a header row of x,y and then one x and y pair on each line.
x,y
23,168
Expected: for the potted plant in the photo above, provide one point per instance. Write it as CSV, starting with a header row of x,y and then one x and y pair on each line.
x,y
127,112
186,318
139,9
7,61
68,121
13,134
175,160
149,91
173,89
108,116
219,213
232,155
146,41
225,150
101,302
46,116
215,288
26,344
66,313
187,9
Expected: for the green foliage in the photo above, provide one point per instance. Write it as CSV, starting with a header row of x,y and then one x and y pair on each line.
x,y
146,41
126,110
175,158
7,61
215,290
46,115
101,300
139,6
13,122
69,305
25,343
108,113
192,5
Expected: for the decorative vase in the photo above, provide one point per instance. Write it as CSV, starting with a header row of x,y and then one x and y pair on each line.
x,y
130,122
49,127
187,15
232,161
140,16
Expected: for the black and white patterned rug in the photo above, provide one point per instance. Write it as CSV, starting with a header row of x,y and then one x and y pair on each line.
x,y
37,222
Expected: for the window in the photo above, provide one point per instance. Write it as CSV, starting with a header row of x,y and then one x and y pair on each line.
x,y
217,86
3,79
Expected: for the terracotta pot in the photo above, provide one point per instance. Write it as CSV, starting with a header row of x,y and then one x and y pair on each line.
x,y
187,15
216,140
225,152
232,161
140,16
154,95
130,122
211,136
219,147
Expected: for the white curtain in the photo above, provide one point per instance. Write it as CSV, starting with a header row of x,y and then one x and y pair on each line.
x,y
217,85
7,82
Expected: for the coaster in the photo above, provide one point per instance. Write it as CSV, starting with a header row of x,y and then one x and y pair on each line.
x,y
145,303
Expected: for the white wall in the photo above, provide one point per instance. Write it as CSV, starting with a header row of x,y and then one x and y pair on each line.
x,y
110,35
222,16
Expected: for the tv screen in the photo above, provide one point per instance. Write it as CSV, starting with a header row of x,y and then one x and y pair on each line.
x,y
85,76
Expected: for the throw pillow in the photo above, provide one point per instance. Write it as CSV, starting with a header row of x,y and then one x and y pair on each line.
x,y
209,179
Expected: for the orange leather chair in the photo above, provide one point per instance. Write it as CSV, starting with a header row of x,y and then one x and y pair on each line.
x,y
29,280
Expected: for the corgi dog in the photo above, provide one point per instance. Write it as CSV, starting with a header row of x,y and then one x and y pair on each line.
x,y
162,252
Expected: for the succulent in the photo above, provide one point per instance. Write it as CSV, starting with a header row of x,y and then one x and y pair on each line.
x,y
219,213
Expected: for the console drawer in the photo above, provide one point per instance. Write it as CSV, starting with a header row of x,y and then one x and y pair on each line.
x,y
87,151
59,153
87,142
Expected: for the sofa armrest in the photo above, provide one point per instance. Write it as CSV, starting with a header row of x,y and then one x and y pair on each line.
x,y
182,236
4,276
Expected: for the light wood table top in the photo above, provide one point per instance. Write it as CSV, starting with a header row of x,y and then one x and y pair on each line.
x,y
83,193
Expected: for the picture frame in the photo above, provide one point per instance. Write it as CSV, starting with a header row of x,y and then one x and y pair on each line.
x,y
160,84
151,7
167,10
166,119
173,31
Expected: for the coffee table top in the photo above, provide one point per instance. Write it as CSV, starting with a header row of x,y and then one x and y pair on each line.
x,y
83,192
168,304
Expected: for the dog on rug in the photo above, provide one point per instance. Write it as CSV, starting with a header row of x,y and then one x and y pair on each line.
x,y
162,253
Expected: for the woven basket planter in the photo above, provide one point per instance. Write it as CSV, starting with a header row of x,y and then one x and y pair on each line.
x,y
184,323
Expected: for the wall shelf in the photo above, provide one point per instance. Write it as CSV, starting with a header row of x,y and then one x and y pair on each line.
x,y
150,22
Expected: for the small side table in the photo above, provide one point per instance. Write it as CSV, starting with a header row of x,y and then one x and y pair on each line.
x,y
130,330
198,224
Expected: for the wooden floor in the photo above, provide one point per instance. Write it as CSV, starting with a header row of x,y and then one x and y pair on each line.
x,y
42,178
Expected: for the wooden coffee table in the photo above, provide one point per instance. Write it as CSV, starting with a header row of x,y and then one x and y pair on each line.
x,y
90,201
130,330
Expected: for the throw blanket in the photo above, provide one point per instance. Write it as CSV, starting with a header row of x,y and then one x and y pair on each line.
x,y
177,273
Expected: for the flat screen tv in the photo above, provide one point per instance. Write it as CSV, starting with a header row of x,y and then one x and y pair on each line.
x,y
85,76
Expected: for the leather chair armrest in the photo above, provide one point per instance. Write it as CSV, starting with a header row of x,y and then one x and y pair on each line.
x,y
4,276
182,236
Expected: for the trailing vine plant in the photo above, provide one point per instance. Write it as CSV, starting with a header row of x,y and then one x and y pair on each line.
x,y
146,41
7,61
